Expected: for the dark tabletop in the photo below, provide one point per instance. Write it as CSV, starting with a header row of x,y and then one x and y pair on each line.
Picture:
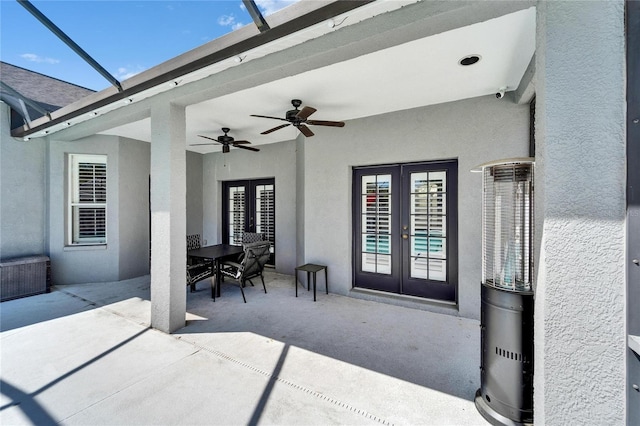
x,y
310,267
215,252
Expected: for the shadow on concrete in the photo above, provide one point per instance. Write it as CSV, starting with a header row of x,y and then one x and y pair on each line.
x,y
68,300
441,352
26,401
35,412
264,398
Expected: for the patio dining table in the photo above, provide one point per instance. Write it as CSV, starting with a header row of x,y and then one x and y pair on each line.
x,y
216,253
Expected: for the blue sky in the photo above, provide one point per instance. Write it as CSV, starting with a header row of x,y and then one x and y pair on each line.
x,y
125,37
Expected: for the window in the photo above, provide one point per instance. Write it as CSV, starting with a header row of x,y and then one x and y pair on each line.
x,y
87,213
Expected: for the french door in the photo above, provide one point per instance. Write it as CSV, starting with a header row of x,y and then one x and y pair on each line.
x,y
249,206
405,229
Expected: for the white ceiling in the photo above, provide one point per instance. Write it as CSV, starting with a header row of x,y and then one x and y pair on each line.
x,y
418,73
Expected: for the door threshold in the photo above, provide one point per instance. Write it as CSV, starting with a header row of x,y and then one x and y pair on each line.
x,y
405,300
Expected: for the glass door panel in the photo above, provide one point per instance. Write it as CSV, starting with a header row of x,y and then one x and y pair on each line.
x,y
430,261
265,218
376,217
236,214
377,222
428,204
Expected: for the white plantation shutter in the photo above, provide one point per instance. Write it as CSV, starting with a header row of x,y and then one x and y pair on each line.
x,y
88,209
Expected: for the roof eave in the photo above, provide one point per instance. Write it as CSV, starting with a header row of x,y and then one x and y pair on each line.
x,y
285,22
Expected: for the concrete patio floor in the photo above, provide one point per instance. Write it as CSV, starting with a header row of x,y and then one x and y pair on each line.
x,y
84,354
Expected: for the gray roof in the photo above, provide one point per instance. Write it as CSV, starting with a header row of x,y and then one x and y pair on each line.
x,y
47,92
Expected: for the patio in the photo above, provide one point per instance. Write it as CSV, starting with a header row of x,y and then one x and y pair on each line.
x,y
84,354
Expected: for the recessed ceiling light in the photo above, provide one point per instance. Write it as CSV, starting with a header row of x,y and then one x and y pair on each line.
x,y
469,60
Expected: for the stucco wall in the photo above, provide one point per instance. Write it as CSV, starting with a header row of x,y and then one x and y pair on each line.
x,y
580,336
22,193
273,161
133,206
473,131
126,253
194,193
72,265
300,171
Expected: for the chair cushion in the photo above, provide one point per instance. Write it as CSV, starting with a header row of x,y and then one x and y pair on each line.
x,y
251,237
198,272
193,241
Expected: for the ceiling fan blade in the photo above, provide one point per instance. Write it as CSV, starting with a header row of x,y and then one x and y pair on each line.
x,y
305,112
267,116
239,142
198,144
266,132
207,137
326,123
305,130
250,148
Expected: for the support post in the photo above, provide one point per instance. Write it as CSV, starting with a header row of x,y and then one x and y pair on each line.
x,y
168,217
580,337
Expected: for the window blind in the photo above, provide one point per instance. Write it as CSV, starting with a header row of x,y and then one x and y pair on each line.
x,y
88,199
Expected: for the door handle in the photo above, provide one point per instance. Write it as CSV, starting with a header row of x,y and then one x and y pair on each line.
x,y
405,236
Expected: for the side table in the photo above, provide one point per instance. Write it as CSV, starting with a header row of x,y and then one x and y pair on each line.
x,y
311,268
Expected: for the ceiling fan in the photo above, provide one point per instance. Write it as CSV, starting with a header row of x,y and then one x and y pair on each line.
x,y
299,118
227,140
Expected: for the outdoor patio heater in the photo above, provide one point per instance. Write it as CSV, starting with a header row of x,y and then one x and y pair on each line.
x,y
505,396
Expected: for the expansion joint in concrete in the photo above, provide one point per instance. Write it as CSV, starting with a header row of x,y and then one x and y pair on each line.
x,y
291,384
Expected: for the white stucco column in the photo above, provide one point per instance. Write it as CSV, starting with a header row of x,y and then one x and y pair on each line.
x,y
580,198
168,217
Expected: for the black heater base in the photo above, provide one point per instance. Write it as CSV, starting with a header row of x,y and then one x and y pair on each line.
x,y
505,396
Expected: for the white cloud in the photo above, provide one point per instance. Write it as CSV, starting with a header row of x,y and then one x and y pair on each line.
x,y
124,73
40,59
230,20
226,20
267,7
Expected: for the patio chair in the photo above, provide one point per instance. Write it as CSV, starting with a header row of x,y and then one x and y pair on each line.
x,y
198,272
252,237
197,268
248,237
255,257
194,241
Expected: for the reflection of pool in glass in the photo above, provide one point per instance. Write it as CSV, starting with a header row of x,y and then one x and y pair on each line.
x,y
382,246
423,244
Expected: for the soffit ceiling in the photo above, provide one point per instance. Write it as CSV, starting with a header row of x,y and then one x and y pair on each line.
x,y
414,74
